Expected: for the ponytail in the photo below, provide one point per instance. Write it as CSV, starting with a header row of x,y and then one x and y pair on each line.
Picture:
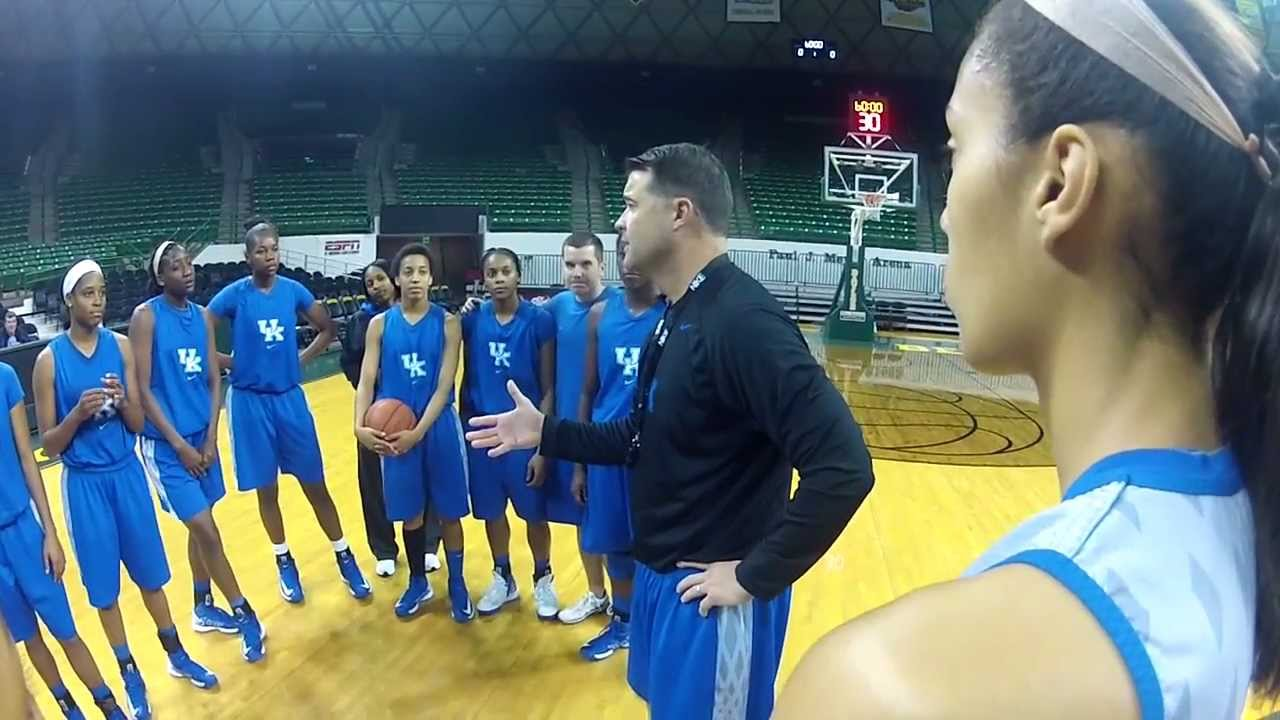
x,y
1246,383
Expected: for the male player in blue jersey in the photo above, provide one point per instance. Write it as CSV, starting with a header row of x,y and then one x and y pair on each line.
x,y
86,403
272,430
583,256
411,355
32,563
181,389
617,330
507,338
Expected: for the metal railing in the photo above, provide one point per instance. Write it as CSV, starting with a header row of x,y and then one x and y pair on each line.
x,y
329,267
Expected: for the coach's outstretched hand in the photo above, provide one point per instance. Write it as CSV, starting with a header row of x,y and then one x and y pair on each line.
x,y
518,429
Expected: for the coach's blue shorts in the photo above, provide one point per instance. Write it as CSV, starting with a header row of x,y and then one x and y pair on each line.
x,y
180,492
26,590
432,474
690,667
606,522
272,434
561,505
496,480
111,520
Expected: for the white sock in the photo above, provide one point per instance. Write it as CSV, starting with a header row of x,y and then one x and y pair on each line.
x,y
281,549
340,545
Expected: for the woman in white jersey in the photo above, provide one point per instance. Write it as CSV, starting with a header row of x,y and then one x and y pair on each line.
x,y
1114,219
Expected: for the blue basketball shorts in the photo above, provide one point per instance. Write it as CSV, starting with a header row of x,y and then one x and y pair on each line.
x,y
26,590
272,433
433,474
689,667
606,522
179,492
111,521
494,481
561,505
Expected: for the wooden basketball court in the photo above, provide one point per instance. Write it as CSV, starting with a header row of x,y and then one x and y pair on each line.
x,y
960,459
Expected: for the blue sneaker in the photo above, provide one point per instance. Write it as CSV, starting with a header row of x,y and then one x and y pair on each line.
x,y
460,601
615,636
418,593
290,581
182,666
135,693
352,576
69,709
207,617
253,636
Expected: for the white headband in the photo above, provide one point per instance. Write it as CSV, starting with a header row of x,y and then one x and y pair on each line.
x,y
1133,38
77,271
155,258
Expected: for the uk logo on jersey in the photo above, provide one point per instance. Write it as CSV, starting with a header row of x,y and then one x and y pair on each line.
x,y
192,363
416,367
106,412
629,359
272,331
500,354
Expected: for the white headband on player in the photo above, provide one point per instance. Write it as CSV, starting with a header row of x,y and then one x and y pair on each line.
x,y
77,271
1133,38
159,253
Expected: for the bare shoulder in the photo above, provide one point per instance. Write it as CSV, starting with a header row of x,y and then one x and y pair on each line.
x,y
142,311
996,645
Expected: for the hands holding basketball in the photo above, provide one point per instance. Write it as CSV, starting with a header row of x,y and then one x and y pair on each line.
x,y
518,429
389,428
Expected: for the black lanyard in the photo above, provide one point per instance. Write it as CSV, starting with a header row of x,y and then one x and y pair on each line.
x,y
651,356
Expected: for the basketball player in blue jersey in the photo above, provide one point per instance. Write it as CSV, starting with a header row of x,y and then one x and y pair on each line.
x,y
507,338
617,330
32,563
582,254
180,385
86,404
1114,218
411,355
272,430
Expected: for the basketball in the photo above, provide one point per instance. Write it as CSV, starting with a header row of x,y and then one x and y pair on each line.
x,y
389,415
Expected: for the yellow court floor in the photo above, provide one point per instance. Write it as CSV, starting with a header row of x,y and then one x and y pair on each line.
x,y
960,459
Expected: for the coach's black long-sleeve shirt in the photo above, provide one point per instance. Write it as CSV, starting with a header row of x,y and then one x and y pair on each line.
x,y
737,402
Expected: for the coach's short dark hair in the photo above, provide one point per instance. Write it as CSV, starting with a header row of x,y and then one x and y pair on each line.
x,y
415,249
258,231
692,171
583,239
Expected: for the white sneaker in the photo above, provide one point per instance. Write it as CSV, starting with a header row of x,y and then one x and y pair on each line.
x,y
589,605
499,593
545,602
432,561
385,568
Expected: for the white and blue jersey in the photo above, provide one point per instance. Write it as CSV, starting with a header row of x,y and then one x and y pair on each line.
x,y
109,514
620,336
570,315
272,429
26,590
434,470
495,353
180,385
264,332
1159,546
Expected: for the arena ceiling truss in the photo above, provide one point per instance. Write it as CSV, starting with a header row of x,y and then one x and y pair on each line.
x,y
691,32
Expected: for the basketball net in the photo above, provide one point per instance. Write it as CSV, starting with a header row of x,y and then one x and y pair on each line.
x,y
869,209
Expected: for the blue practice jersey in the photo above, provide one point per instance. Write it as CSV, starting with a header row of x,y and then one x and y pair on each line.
x,y
411,357
15,499
264,332
619,338
497,353
571,347
179,368
102,442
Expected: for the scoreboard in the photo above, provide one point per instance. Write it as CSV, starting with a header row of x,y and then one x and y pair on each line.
x,y
869,115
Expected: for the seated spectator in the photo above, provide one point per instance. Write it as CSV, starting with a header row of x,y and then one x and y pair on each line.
x,y
16,332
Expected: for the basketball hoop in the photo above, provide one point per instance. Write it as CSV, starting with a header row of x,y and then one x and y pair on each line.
x,y
871,203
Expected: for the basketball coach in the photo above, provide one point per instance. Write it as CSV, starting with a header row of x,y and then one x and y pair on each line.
x,y
728,400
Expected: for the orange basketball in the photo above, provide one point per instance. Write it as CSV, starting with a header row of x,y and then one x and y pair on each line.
x,y
390,416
